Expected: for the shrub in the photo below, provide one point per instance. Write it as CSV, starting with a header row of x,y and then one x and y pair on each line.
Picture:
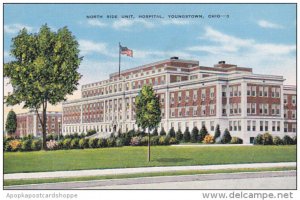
x,y
208,139
217,132
91,132
179,135
93,142
74,143
82,135
144,141
111,142
102,142
173,140
287,140
36,145
52,145
162,132
195,135
171,132
258,139
26,145
49,137
277,140
203,132
154,140
162,140
67,143
186,135
83,143
131,133
267,139
236,140
140,133
120,142
135,141
15,145
226,138
295,140
155,132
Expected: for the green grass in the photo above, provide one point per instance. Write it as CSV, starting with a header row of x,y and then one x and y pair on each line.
x,y
137,175
123,157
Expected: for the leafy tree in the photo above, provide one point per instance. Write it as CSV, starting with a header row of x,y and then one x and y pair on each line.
x,y
179,135
11,123
195,135
171,132
162,132
226,138
203,133
155,132
186,135
148,113
217,132
43,71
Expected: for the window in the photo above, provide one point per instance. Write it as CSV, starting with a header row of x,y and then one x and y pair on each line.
x,y
172,112
285,114
195,95
261,91
187,96
285,127
172,98
248,90
203,110
230,125
187,111
235,91
239,90
253,108
234,126
253,91
212,109
273,92
224,109
266,109
179,125
266,91
180,113
195,111
231,109
253,125
293,114
260,108
203,96
179,97
248,125
294,127
223,91
239,126
212,125
266,125
248,108
261,127
277,92
285,99
273,126
294,100
212,92
278,126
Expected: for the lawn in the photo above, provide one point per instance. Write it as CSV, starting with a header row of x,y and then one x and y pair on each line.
x,y
123,157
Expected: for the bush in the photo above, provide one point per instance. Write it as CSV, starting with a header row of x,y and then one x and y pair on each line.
x,y
131,133
162,132
163,140
154,140
226,138
91,132
60,144
173,140
236,140
135,141
171,132
93,142
203,132
267,139
15,145
155,132
144,141
67,143
140,133
179,135
52,145
26,145
49,137
258,139
120,142
186,135
102,142
36,145
208,139
295,140
111,142
287,140
217,132
277,140
82,135
74,143
83,143
195,135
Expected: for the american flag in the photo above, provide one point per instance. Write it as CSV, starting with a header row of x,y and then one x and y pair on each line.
x,y
126,51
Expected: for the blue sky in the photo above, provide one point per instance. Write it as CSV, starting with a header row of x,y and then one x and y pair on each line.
x,y
260,36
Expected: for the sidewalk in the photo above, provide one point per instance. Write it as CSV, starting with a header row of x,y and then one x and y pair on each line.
x,y
102,172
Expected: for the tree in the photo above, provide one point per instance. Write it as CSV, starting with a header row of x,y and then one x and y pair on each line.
x,y
148,113
155,132
11,123
217,132
171,132
162,132
179,135
226,138
195,135
44,70
186,135
203,133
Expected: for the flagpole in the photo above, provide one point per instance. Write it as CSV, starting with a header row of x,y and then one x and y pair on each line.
x,y
119,59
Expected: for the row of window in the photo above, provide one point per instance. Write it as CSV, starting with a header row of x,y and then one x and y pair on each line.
x,y
186,111
263,91
285,99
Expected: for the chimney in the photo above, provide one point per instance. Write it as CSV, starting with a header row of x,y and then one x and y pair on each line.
x,y
174,58
222,62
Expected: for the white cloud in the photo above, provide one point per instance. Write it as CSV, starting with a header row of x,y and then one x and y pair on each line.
x,y
268,24
125,24
15,28
90,47
96,23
